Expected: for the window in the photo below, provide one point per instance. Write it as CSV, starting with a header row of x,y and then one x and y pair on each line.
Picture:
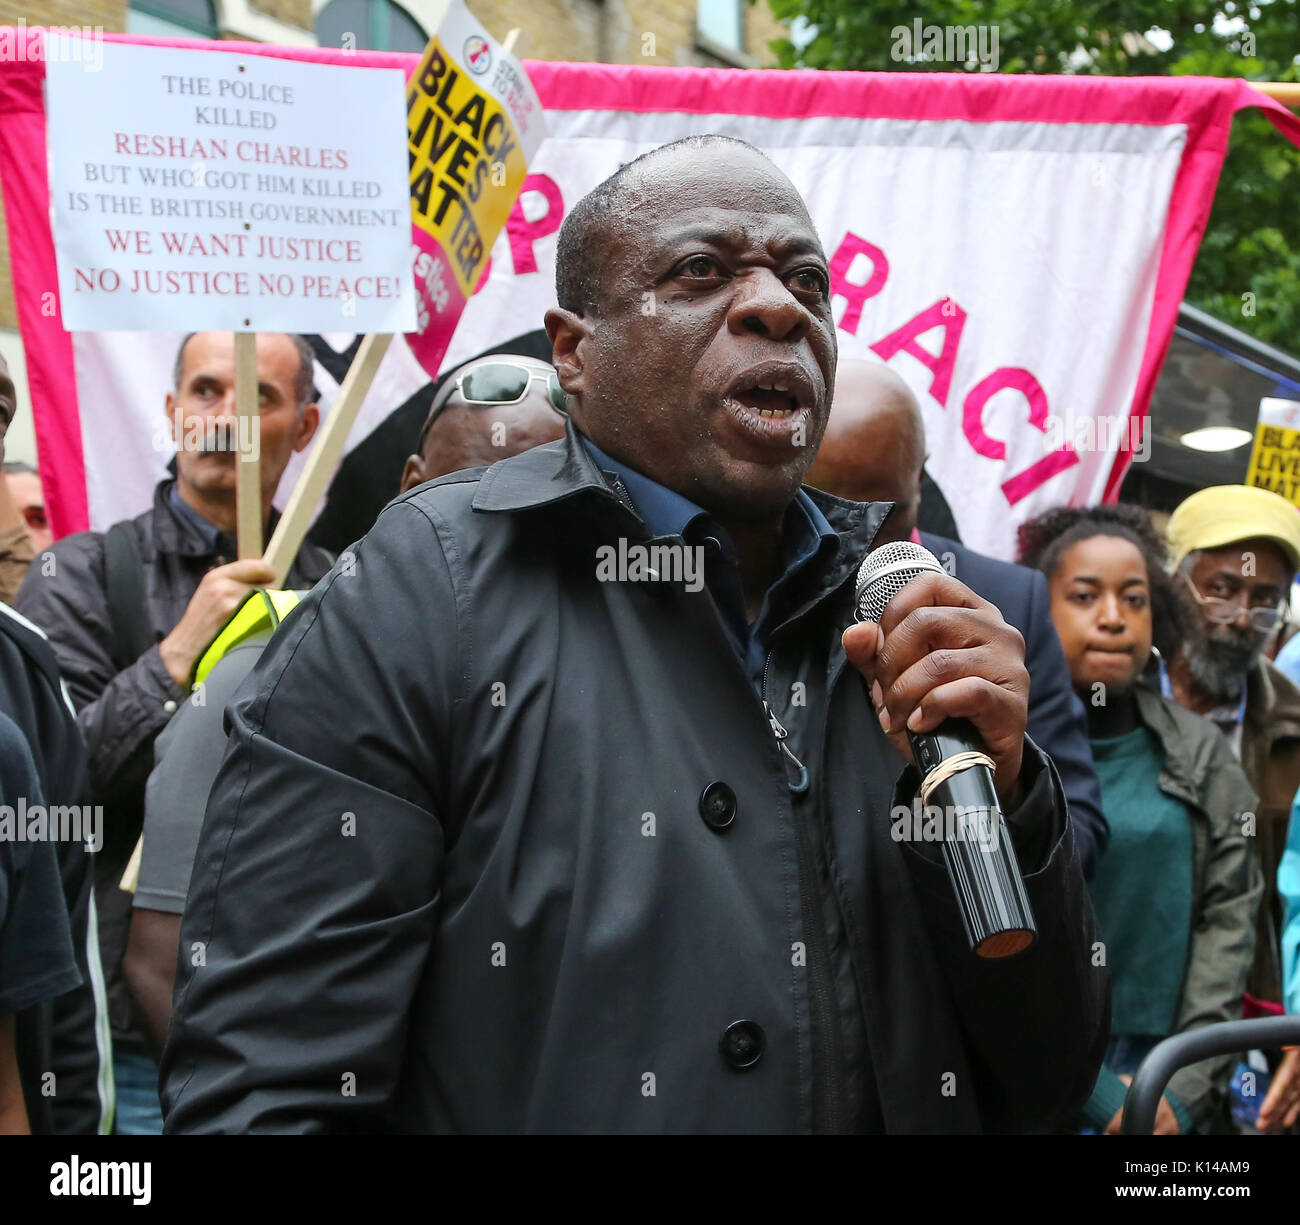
x,y
722,22
374,25
173,18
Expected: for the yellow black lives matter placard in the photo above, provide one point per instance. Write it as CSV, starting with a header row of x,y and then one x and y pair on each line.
x,y
467,165
1275,457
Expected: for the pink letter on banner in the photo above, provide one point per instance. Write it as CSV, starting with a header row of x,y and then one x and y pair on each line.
x,y
944,314
1012,378
523,233
851,247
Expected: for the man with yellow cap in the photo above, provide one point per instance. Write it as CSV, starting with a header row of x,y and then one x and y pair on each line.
x,y
1237,550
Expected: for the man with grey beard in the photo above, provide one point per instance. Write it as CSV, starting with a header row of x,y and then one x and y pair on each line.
x,y
1237,549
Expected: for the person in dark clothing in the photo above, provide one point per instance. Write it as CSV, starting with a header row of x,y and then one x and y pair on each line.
x,y
17,547
67,1035
489,408
36,958
1177,892
127,668
874,451
595,846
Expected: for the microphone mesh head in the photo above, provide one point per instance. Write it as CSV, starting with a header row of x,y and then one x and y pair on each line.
x,y
886,571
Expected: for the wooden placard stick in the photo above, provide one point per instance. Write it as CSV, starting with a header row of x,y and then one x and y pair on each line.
x,y
293,525
512,37
1285,92
248,466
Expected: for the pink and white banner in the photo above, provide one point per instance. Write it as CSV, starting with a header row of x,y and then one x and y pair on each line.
x,y
1015,247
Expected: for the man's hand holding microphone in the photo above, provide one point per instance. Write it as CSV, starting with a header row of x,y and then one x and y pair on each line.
x,y
948,681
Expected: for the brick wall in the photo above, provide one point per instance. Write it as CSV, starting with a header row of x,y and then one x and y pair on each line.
x,y
617,33
111,14
548,29
295,12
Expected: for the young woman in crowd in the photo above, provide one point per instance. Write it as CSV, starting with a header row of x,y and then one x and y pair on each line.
x,y
1177,890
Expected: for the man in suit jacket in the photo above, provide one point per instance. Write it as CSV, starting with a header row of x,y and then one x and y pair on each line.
x,y
874,451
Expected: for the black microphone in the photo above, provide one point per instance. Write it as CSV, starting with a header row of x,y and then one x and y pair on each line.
x,y
957,787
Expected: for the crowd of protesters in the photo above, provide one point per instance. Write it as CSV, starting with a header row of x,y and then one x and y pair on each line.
x,y
1175,738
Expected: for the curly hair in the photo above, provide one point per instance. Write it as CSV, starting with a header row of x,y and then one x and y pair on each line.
x,y
1044,540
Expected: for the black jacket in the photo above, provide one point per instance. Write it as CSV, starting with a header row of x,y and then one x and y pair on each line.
x,y
120,712
67,1035
501,847
1057,722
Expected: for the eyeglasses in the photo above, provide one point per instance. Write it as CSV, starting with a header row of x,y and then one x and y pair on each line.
x,y
501,382
1224,612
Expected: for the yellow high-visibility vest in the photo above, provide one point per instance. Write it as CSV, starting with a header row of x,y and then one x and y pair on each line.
x,y
262,610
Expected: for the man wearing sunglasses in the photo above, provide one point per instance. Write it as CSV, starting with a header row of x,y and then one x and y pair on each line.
x,y
513,838
486,410
1237,549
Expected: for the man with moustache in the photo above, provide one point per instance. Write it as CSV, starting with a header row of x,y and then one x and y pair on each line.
x,y
128,611
874,451
487,409
616,856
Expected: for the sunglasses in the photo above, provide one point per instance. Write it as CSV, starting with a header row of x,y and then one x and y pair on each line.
x,y
501,382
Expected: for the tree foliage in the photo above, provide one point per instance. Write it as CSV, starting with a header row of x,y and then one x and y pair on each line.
x,y
1249,260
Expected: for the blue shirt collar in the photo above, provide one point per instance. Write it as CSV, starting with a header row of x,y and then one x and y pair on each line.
x,y
667,513
209,533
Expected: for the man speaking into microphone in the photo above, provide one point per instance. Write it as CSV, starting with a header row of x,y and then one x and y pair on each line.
x,y
522,831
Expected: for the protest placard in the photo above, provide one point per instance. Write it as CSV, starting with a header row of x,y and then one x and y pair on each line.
x,y
1275,456
474,123
200,190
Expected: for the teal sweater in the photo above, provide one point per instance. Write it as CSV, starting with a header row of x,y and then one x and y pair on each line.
x,y
1143,898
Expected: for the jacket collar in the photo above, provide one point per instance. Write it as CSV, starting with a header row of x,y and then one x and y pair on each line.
x,y
564,472
174,533
1156,713
1272,703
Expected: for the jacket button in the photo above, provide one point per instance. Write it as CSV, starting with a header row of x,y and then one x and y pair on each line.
x,y
742,1043
718,806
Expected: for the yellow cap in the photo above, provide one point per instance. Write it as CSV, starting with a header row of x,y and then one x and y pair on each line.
x,y
1224,514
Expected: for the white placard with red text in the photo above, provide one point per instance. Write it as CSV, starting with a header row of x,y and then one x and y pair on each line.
x,y
203,190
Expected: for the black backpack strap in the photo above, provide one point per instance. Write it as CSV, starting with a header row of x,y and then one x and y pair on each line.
x,y
124,586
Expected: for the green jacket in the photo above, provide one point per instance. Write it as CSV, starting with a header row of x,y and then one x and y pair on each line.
x,y
1270,756
1200,770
